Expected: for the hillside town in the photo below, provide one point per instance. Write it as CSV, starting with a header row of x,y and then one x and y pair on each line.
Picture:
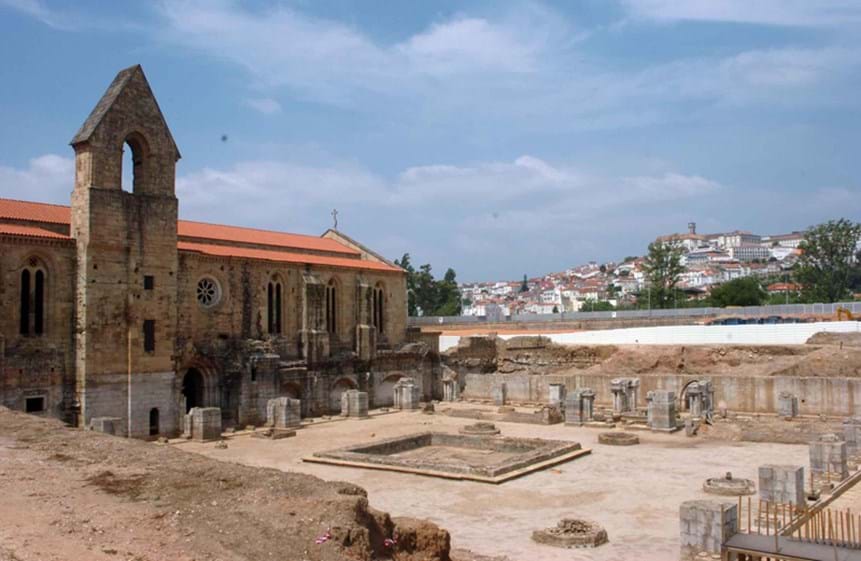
x,y
709,260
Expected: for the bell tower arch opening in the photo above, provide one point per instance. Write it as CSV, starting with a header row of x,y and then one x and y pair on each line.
x,y
134,166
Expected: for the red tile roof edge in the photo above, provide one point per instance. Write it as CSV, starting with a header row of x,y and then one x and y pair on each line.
x,y
15,209
31,232
285,257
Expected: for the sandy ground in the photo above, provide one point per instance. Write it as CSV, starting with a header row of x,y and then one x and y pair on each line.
x,y
634,492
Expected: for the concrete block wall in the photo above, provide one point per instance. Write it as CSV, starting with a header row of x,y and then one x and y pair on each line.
x,y
706,525
828,457
782,484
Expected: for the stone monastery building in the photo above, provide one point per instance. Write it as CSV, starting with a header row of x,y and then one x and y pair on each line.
x,y
112,307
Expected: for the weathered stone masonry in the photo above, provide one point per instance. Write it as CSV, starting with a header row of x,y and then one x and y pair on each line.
x,y
138,315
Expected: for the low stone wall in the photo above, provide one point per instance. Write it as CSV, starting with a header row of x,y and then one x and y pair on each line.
x,y
759,394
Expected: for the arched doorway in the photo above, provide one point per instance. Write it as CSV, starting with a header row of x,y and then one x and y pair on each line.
x,y
192,389
340,387
153,422
384,396
292,390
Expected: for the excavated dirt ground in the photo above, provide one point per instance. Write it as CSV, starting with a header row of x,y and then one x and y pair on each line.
x,y
826,355
634,492
70,495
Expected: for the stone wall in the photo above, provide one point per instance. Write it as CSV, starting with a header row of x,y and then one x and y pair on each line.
x,y
37,366
123,269
829,396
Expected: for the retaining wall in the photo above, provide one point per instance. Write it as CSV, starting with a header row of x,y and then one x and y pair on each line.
x,y
829,396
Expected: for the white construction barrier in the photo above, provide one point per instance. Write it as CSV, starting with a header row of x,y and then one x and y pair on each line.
x,y
765,334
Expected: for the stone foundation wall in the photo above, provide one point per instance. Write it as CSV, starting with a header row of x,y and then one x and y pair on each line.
x,y
760,394
108,397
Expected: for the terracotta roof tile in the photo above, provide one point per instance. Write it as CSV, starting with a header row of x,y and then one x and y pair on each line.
x,y
59,214
31,231
284,257
36,212
190,229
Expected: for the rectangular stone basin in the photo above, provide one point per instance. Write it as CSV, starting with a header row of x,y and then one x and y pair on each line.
x,y
488,459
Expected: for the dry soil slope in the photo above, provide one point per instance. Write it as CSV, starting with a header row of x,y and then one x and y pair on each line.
x,y
73,495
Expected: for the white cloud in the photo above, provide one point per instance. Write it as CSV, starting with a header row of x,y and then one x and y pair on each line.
x,y
767,12
470,44
49,178
265,105
522,67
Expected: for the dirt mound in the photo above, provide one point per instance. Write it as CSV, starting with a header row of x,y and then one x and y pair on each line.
x,y
827,361
840,339
75,495
718,360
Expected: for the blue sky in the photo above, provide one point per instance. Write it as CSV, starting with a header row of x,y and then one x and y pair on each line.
x,y
498,138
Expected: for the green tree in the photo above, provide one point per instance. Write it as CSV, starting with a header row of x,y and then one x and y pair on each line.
x,y
404,263
428,296
829,255
663,267
555,309
448,296
746,291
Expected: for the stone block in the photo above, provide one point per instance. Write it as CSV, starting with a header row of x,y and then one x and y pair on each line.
x,y
828,457
625,394
662,410
782,484
706,525
283,413
579,406
407,394
107,425
354,404
557,394
203,424
852,434
787,405
500,393
366,342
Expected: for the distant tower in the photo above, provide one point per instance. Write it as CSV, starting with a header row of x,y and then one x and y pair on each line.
x,y
126,260
692,227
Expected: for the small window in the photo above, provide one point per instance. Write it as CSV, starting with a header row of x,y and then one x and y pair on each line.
x,y
34,404
253,373
149,282
149,335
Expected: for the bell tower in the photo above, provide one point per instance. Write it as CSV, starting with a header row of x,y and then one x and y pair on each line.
x,y
126,286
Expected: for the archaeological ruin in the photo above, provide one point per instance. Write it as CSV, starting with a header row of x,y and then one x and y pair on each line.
x,y
235,393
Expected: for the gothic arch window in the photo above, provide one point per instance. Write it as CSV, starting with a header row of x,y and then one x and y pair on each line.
x,y
274,305
139,151
332,307
32,298
378,302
